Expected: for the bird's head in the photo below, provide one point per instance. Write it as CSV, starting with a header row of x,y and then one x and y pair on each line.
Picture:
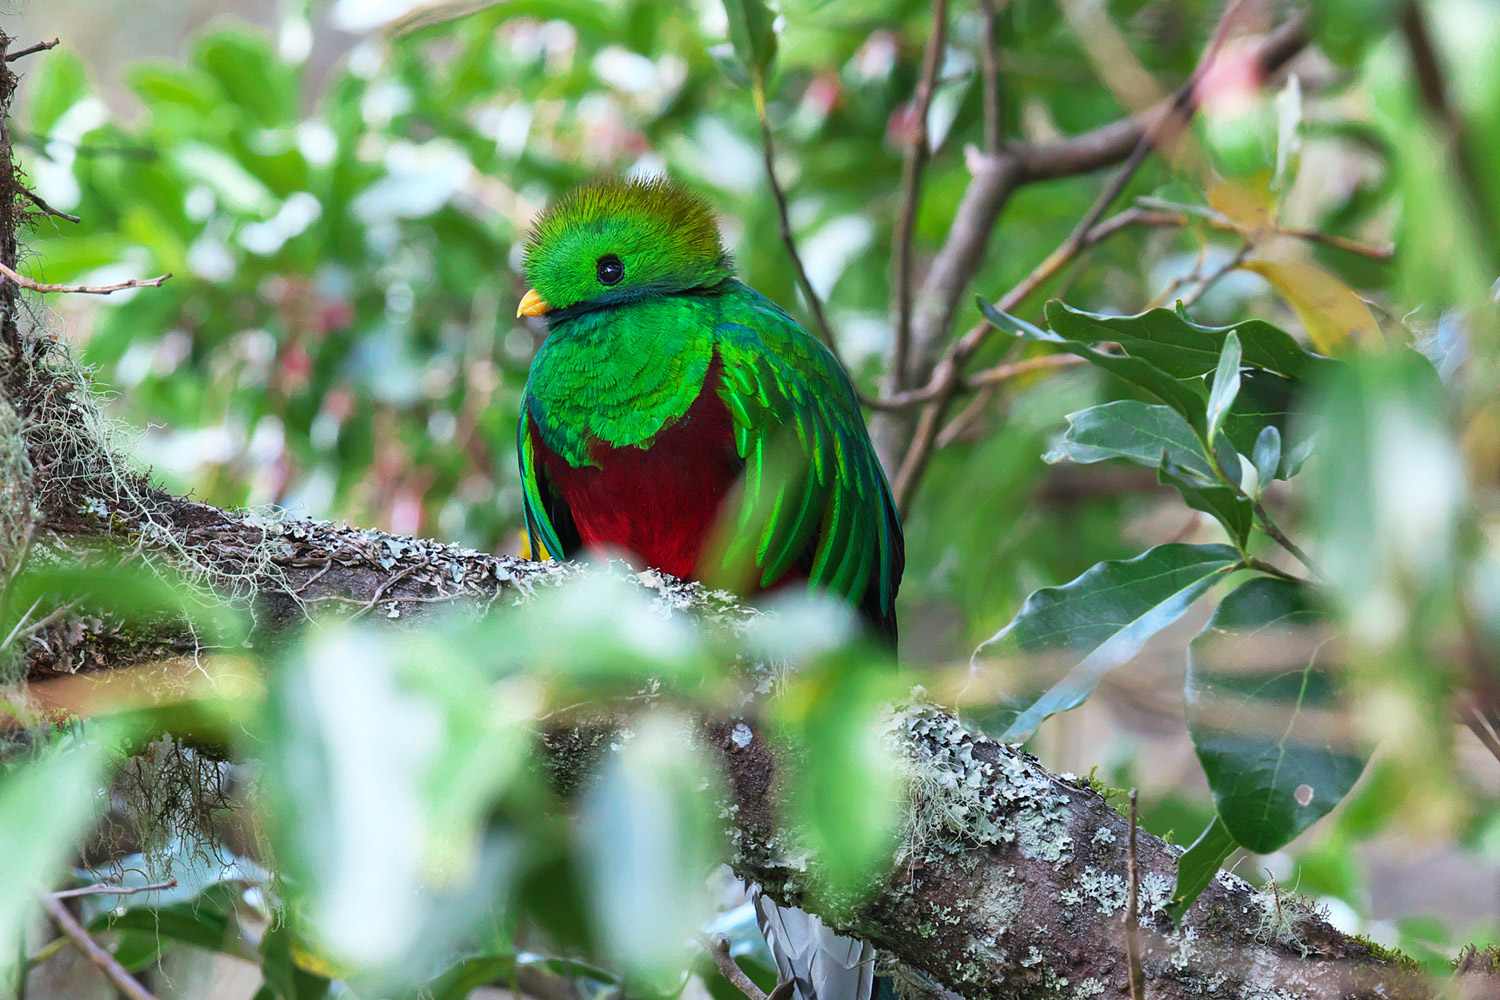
x,y
613,241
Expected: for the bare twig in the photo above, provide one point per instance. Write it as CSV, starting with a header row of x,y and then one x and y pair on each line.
x,y
1474,719
114,890
1133,914
1433,89
117,973
36,200
917,154
994,104
38,286
730,969
31,50
788,238
1211,278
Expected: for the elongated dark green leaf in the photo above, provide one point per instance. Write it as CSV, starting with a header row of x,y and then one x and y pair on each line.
x,y
1264,400
1184,349
467,976
1100,621
1186,397
1224,504
1133,430
206,921
284,977
1226,384
1198,866
1265,713
753,34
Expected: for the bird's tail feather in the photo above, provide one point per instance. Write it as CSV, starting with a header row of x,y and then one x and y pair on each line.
x,y
822,965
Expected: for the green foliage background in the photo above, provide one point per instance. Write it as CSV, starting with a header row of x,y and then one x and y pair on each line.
x,y
338,339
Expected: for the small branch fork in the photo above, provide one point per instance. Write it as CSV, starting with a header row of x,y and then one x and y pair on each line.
x,y
96,953
1157,129
38,286
730,970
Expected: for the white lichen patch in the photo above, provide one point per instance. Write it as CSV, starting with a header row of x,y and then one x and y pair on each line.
x,y
1104,835
1106,890
1156,892
1005,801
1090,987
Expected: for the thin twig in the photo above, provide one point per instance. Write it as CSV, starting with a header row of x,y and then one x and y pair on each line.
x,y
1432,87
1211,278
1279,537
788,238
38,286
36,200
1475,721
730,969
117,973
917,154
114,890
1133,915
994,102
31,50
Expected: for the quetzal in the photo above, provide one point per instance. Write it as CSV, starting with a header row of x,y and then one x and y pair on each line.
x,y
681,416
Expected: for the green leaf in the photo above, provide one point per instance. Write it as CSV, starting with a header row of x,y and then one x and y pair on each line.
x,y
1187,398
1226,384
1265,713
54,86
648,838
251,74
284,977
46,805
1101,620
466,977
752,32
1184,349
1224,504
1130,429
206,921
1198,866
1264,400
1267,455
848,786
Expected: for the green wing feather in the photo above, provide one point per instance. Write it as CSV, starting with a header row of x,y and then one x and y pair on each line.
x,y
815,495
536,497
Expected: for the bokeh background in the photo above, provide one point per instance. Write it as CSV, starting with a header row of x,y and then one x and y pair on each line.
x,y
340,190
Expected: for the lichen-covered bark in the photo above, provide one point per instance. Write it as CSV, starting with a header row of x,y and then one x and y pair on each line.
x,y
1011,880
1012,886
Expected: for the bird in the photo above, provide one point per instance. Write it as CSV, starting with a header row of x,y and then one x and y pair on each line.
x,y
678,415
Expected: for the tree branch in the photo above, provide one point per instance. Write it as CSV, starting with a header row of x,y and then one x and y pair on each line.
x,y
917,154
969,237
31,50
38,286
36,200
117,973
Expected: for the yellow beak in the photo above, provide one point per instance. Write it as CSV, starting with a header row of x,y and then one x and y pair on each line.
x,y
532,304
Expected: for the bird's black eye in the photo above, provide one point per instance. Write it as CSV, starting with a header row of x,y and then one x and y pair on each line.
x,y
609,269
